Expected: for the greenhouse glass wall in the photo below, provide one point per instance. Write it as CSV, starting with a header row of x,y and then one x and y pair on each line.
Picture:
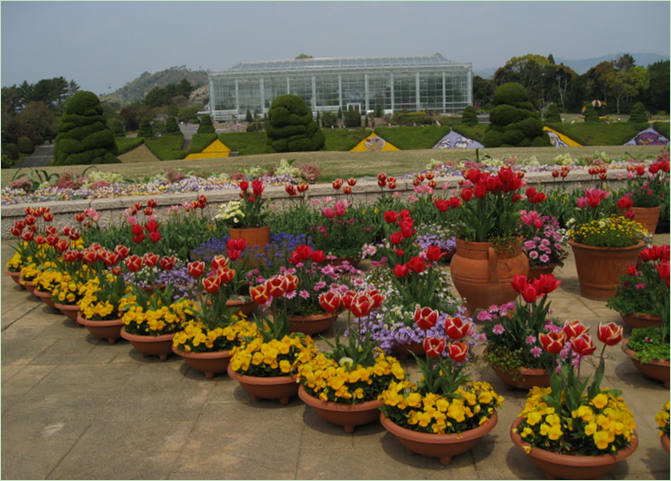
x,y
416,84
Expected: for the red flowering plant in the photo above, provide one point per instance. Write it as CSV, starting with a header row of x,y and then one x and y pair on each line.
x,y
342,230
639,288
252,206
444,401
594,205
574,416
513,331
489,211
647,187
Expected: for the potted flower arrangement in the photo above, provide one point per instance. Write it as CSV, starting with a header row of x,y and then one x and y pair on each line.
x,y
206,343
444,414
513,334
247,218
603,248
489,251
645,191
662,419
73,285
648,347
544,242
570,432
264,366
342,386
638,290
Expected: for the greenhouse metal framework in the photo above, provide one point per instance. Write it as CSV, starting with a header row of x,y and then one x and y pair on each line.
x,y
328,84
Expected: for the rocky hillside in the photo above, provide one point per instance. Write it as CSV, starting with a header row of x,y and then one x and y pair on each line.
x,y
136,90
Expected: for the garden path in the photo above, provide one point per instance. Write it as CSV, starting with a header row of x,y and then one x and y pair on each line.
x,y
75,407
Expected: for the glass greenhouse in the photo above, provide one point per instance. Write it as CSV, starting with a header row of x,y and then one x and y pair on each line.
x,y
327,84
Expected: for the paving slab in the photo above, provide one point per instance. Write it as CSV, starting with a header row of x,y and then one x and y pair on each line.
x,y
76,407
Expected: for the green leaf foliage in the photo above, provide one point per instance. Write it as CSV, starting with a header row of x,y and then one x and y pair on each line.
x,y
200,141
290,126
411,138
168,147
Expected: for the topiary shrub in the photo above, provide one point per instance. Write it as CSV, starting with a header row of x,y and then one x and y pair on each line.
x,y
7,161
591,117
552,115
638,114
469,116
145,130
11,150
83,136
352,118
117,128
248,116
513,122
206,126
25,145
290,126
171,127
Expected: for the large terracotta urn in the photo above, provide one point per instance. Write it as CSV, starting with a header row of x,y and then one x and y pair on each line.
x,y
482,273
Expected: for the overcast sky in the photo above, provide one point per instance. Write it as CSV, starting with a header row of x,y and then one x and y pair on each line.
x,y
108,44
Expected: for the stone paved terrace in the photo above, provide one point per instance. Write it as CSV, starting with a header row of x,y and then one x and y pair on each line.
x,y
75,407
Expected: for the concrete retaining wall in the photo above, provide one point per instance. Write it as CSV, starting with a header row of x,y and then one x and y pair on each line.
x,y
368,192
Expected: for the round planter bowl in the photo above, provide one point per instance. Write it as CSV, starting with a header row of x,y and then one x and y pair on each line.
x,y
312,324
636,321
46,298
656,369
15,277
648,216
247,308
535,272
210,363
441,446
338,261
403,351
110,330
346,415
71,311
599,268
572,467
160,346
30,287
665,442
527,379
280,387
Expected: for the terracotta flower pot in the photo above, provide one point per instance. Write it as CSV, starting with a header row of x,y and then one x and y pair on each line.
x,y
636,321
482,275
572,467
441,446
15,276
71,311
312,324
648,216
527,379
30,287
599,268
280,387
247,308
210,363
403,350
657,369
338,261
535,272
347,415
665,442
257,238
160,346
46,298
110,330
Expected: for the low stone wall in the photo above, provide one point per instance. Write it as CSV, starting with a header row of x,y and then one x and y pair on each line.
x,y
368,192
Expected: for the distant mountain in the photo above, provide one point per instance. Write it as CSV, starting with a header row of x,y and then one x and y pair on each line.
x,y
582,66
136,89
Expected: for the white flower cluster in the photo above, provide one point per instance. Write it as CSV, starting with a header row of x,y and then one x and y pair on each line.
x,y
565,159
286,167
230,211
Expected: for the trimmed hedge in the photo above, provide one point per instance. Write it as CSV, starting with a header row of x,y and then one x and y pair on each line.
x,y
413,138
200,141
25,145
248,141
168,147
291,127
126,144
662,128
598,133
474,132
344,139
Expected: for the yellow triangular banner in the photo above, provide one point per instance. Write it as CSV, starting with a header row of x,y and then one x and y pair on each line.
x,y
215,149
562,138
374,143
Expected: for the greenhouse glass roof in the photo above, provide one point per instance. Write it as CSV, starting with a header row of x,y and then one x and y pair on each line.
x,y
339,64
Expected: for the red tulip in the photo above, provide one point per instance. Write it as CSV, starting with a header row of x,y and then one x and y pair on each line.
x,y
346,299
150,259
89,256
434,346
137,229
70,256
351,181
122,251
292,283
304,251
259,294
337,184
529,294
148,211
152,226
377,298
225,274
396,238
15,231
291,190
610,333
134,263
52,239
167,263
552,342
382,176
519,282
258,187
583,344
276,286
219,261
302,187
457,351
244,185
425,318
546,283
48,216
211,284
416,264
467,194
390,216
196,269
155,237
329,301
347,190
434,253
574,329
625,203
318,257
62,245
152,203
361,305
401,270
455,328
